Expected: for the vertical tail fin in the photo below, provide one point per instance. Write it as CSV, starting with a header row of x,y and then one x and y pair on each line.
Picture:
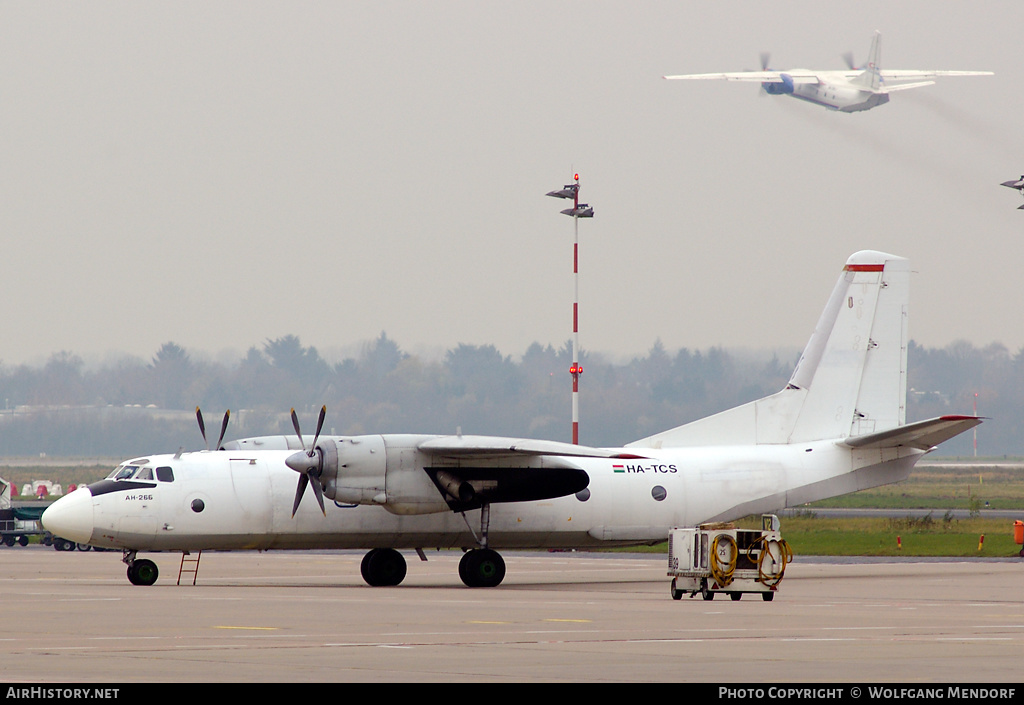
x,y
871,77
850,380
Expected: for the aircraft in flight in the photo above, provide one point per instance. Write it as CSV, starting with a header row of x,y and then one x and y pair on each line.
x,y
1017,184
849,91
838,426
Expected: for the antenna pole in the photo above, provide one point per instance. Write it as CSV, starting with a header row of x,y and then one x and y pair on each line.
x,y
578,210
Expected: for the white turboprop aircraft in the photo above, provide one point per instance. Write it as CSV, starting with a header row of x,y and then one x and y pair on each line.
x,y
838,426
847,91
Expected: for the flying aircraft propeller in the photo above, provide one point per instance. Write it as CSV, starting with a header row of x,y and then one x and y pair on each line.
x,y
223,428
308,464
765,66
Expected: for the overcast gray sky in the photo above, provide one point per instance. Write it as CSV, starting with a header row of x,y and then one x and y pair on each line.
x,y
220,173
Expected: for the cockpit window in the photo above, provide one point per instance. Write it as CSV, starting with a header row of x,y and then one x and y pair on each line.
x,y
122,472
130,471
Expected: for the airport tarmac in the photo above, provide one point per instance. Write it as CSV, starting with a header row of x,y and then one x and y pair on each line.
x,y
306,617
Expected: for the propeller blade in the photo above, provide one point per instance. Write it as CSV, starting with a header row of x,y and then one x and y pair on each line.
x,y
223,428
319,426
303,480
295,424
202,427
765,60
848,58
319,494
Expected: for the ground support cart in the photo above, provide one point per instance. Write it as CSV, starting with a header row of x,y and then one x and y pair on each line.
x,y
713,558
18,523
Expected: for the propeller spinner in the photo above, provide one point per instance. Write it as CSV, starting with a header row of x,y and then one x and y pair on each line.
x,y
308,463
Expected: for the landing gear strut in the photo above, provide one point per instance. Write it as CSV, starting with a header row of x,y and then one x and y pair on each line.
x,y
140,571
482,567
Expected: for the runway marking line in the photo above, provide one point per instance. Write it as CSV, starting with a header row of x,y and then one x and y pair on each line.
x,y
574,621
264,629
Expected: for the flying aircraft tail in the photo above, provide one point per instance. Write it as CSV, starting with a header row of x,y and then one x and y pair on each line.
x,y
851,379
871,77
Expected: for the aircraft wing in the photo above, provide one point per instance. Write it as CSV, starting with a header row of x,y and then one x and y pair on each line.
x,y
798,76
472,470
910,74
496,446
922,435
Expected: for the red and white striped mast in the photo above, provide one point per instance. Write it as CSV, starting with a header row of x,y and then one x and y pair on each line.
x,y
578,210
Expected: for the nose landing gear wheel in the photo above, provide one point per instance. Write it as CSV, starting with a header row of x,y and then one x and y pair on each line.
x,y
142,572
482,567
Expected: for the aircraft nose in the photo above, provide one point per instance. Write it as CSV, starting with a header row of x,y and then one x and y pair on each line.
x,y
71,517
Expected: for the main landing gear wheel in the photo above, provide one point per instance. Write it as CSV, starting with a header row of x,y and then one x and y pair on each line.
x,y
482,567
142,572
383,567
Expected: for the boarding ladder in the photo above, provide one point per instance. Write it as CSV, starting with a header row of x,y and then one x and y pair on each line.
x,y
189,565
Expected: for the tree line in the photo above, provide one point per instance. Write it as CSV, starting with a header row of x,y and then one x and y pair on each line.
x,y
131,406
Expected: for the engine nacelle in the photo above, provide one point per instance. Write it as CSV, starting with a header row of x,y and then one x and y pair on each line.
x,y
355,470
784,88
368,470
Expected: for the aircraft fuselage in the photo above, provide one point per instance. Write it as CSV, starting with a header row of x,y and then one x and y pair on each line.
x,y
241,500
834,95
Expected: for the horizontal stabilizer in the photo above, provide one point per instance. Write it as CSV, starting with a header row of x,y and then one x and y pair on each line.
x,y
921,435
904,86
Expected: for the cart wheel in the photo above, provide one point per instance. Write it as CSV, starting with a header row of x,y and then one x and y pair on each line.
x,y
677,594
767,596
735,596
